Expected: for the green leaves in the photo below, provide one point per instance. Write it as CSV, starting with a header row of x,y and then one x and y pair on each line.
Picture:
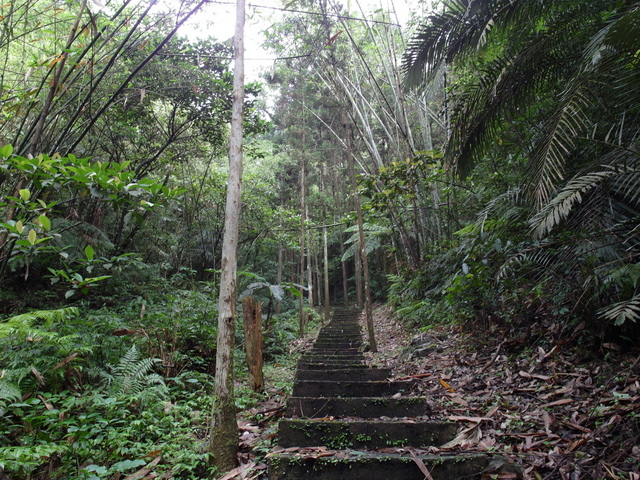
x,y
89,252
29,227
6,151
25,195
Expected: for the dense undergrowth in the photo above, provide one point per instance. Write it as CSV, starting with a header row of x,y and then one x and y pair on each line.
x,y
90,392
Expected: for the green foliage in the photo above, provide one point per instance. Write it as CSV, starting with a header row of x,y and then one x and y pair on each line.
x,y
533,82
134,377
33,352
372,239
32,228
103,434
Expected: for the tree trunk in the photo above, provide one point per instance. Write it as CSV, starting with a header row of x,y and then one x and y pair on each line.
x,y
358,274
303,233
326,275
362,249
279,278
223,441
252,314
345,275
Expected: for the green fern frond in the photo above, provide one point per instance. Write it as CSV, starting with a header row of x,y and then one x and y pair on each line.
x,y
9,391
370,228
74,235
510,197
23,322
628,274
134,375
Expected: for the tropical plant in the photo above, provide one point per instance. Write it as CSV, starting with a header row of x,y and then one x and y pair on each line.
x,y
558,82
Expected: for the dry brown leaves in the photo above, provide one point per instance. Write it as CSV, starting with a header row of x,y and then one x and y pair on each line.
x,y
556,410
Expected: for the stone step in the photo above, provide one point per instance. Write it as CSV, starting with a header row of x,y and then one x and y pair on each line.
x,y
347,388
364,433
358,374
338,336
331,366
321,357
328,352
344,343
324,360
371,407
331,350
371,465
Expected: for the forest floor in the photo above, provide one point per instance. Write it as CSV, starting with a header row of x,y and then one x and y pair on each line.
x,y
555,407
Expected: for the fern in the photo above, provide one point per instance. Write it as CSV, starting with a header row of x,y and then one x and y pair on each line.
x,y
9,391
23,322
372,241
72,235
134,376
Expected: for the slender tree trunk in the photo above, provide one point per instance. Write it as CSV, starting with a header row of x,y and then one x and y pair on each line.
x,y
362,249
358,273
345,274
279,278
55,83
310,282
302,320
280,260
223,441
252,315
326,275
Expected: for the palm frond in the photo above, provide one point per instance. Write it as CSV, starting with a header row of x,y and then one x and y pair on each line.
x,y
559,208
621,312
461,30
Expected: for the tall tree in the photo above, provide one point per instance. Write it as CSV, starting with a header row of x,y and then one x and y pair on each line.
x,y
223,442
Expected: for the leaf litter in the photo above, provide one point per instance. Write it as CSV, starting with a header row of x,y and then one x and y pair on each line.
x,y
559,408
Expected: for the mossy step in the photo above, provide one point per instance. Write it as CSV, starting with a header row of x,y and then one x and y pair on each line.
x,y
362,407
337,342
331,366
359,374
368,465
331,350
339,335
364,433
320,357
348,388
342,342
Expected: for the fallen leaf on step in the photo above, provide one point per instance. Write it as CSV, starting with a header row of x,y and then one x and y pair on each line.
x,y
459,401
421,466
469,436
462,418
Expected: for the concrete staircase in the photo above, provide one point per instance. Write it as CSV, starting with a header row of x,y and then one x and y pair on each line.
x,y
345,420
